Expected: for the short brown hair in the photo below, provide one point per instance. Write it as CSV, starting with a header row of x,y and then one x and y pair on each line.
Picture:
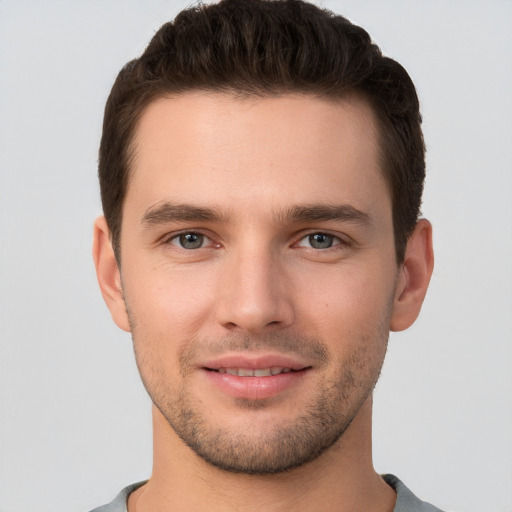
x,y
262,48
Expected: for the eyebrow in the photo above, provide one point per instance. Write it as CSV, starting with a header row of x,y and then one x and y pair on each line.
x,y
323,213
167,212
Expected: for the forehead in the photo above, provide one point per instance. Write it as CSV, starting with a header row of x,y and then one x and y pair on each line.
x,y
217,148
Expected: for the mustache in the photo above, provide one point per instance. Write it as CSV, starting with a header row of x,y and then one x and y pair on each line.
x,y
283,343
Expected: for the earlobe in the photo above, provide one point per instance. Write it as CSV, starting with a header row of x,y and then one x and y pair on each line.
x,y
414,277
107,272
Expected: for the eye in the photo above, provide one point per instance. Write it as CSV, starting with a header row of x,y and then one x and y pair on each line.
x,y
190,241
319,241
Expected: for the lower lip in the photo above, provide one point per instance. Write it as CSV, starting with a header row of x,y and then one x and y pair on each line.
x,y
254,388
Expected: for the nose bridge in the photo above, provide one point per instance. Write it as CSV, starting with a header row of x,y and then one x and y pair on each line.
x,y
254,297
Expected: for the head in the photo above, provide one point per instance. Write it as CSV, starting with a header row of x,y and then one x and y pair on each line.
x,y
261,171
266,48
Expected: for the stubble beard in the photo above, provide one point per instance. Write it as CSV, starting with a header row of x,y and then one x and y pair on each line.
x,y
279,447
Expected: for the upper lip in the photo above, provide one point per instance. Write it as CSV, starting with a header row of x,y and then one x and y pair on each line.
x,y
255,361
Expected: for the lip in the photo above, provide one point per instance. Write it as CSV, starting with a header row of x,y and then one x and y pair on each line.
x,y
255,362
255,388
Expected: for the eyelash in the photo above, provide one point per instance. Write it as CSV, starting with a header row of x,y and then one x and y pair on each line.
x,y
336,241
171,239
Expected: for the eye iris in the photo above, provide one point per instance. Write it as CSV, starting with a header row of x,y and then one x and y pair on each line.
x,y
191,240
321,241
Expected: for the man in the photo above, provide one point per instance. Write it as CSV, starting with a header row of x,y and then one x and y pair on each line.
x,y
261,171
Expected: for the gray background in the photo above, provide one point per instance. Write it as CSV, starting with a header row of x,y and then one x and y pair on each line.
x,y
75,421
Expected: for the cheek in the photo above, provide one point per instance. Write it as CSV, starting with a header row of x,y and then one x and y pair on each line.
x,y
347,299
165,296
165,314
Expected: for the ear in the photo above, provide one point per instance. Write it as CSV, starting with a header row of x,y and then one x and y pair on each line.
x,y
109,276
414,277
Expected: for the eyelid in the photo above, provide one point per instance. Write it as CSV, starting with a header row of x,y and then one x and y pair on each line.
x,y
169,238
339,240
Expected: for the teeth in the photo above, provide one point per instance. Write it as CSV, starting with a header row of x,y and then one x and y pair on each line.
x,y
260,372
264,372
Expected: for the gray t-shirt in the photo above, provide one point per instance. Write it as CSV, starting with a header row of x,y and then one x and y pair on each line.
x,y
405,500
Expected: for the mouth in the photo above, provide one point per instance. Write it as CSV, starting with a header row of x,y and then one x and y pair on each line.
x,y
256,372
253,376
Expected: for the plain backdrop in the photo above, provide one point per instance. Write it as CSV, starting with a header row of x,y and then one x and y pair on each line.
x,y
75,420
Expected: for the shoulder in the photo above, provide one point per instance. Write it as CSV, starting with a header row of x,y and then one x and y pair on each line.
x,y
118,504
406,501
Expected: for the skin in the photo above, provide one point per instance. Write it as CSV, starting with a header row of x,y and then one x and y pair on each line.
x,y
258,285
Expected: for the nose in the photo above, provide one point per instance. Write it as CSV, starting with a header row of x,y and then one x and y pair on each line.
x,y
256,294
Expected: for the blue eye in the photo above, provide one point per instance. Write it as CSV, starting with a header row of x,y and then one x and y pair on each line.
x,y
319,241
189,240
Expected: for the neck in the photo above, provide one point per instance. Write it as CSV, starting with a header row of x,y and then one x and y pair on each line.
x,y
341,479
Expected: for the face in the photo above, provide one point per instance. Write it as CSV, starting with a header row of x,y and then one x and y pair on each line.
x,y
258,272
